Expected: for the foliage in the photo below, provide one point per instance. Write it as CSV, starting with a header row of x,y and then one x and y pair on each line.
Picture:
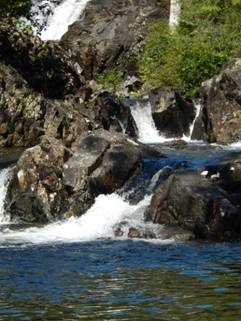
x,y
14,8
109,79
206,37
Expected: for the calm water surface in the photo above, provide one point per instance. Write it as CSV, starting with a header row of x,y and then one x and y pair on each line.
x,y
120,280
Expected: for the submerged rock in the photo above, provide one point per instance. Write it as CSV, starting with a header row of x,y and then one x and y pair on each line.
x,y
172,114
197,204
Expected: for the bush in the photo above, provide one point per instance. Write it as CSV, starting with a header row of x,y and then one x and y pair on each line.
x,y
14,8
109,79
207,36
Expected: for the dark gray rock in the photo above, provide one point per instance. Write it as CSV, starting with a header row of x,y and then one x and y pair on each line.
x,y
45,66
52,182
111,33
172,113
196,204
222,104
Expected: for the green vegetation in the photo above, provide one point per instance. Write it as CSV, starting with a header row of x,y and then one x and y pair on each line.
x,y
14,8
208,35
109,79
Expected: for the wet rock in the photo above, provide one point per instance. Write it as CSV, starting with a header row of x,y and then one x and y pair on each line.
x,y
111,33
56,182
36,193
222,107
197,204
45,66
172,113
113,115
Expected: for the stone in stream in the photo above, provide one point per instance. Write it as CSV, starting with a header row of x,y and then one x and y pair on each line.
x,y
221,117
197,204
171,113
53,182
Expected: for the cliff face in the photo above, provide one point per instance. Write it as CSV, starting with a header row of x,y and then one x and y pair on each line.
x,y
113,31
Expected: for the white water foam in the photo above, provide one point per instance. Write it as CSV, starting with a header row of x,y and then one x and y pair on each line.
x,y
98,222
5,176
147,132
198,108
175,10
64,15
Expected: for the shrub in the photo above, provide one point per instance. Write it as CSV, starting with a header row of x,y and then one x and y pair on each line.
x,y
207,36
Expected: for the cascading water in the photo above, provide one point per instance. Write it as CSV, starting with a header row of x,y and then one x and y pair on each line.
x,y
5,176
63,15
147,132
198,108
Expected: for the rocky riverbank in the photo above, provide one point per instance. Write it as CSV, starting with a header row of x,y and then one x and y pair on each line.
x,y
83,142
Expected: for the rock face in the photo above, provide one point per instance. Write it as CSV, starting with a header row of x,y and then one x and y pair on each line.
x,y
45,66
111,33
53,182
113,115
26,115
197,204
172,113
222,105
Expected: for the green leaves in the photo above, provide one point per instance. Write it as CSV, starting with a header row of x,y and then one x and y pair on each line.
x,y
208,35
14,8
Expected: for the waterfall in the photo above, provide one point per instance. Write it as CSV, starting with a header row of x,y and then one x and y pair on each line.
x,y
5,176
175,9
63,15
198,108
147,132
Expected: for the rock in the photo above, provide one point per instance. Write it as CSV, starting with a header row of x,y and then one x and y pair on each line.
x,y
113,115
26,115
45,66
56,182
36,194
196,204
102,161
222,104
172,114
111,33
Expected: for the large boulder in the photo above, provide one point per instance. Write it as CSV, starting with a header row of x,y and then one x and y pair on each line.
x,y
172,113
52,182
197,204
111,33
107,160
45,66
222,104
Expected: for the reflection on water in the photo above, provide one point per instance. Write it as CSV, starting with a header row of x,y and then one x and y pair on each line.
x,y
114,280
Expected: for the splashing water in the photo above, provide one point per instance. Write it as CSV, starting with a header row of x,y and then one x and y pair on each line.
x,y
64,15
147,132
5,176
198,108
98,222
